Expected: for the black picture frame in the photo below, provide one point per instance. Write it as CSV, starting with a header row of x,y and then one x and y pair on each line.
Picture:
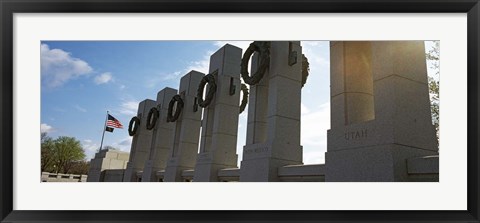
x,y
9,7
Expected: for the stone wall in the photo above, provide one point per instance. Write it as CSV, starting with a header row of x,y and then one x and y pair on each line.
x,y
61,177
106,160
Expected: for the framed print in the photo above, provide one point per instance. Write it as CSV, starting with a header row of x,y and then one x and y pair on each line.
x,y
162,73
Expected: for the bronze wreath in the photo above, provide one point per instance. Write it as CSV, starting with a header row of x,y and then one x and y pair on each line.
x,y
133,126
263,48
173,117
305,69
152,118
212,88
245,98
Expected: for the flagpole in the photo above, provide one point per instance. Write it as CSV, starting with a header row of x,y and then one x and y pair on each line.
x,y
103,134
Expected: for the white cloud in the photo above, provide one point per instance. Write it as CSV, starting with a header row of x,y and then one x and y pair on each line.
x,y
304,109
315,125
103,78
58,66
201,65
314,134
312,50
129,108
90,148
45,128
80,109
155,81
171,76
124,145
315,157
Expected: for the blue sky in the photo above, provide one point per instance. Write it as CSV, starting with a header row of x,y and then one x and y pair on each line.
x,y
81,80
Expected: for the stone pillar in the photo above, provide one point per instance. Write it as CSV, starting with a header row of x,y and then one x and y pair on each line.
x,y
384,84
140,144
187,130
273,131
351,83
220,118
162,140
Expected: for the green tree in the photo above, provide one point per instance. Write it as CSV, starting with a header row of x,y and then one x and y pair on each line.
x,y
62,155
433,56
67,151
47,153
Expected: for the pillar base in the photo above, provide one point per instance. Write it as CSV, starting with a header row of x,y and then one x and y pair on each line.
x,y
381,163
206,169
173,171
130,174
149,172
260,163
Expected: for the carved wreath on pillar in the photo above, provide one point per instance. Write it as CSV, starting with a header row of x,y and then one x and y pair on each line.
x,y
152,118
212,88
133,126
245,98
305,69
171,117
263,48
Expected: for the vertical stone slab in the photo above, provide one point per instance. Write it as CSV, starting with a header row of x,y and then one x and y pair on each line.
x,y
351,83
389,127
140,144
220,118
401,93
162,140
184,152
278,143
95,169
257,107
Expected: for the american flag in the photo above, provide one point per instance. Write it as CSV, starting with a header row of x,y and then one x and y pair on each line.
x,y
113,122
